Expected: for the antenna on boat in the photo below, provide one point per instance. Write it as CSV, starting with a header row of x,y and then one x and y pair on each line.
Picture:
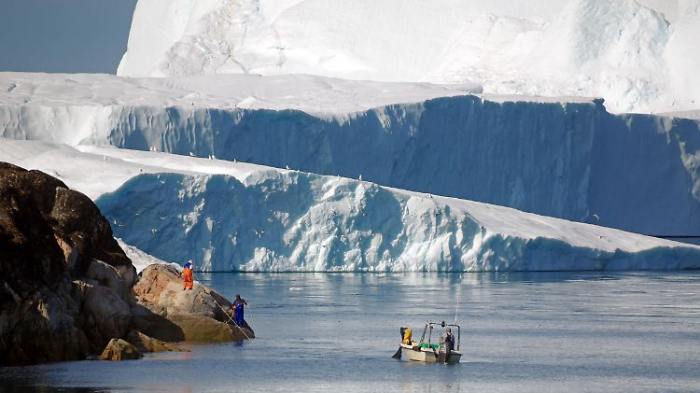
x,y
459,293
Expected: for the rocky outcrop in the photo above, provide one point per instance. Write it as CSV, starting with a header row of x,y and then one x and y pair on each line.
x,y
197,314
67,288
149,344
60,264
118,349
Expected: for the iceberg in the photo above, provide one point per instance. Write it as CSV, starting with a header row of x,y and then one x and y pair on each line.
x,y
244,217
635,54
562,157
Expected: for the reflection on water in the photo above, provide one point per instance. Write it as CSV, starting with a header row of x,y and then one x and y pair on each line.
x,y
520,332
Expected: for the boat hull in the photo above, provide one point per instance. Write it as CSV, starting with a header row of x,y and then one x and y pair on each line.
x,y
429,355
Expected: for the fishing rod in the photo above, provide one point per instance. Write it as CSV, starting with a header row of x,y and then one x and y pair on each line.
x,y
230,317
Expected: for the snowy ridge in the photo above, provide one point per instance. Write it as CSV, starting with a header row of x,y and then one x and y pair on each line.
x,y
632,53
52,100
235,216
572,160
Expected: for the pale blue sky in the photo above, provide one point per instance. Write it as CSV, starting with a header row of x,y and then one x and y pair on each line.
x,y
64,35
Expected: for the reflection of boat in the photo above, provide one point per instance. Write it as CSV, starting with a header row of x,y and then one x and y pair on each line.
x,y
427,351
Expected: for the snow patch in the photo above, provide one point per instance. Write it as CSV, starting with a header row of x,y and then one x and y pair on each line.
x,y
140,259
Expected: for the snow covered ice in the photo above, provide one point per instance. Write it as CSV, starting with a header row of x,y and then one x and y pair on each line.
x,y
234,216
638,55
563,157
489,101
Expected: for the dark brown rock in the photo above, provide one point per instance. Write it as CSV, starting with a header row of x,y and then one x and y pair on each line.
x,y
119,349
50,307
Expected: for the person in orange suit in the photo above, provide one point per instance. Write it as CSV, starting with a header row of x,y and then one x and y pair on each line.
x,y
188,274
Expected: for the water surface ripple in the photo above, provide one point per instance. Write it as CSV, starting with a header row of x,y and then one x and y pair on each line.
x,y
524,332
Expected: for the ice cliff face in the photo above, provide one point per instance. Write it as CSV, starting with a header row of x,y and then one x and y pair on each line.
x,y
570,160
238,216
628,52
288,221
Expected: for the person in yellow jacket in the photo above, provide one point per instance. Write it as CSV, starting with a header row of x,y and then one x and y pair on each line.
x,y
188,274
407,335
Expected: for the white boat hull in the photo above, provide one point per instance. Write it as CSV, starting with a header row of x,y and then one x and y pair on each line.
x,y
429,355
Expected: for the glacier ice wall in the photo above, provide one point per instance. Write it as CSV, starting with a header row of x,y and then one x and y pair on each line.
x,y
570,160
291,221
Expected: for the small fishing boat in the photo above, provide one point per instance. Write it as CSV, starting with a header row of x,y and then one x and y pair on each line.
x,y
445,350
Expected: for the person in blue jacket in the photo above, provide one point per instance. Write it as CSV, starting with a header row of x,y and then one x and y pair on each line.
x,y
237,307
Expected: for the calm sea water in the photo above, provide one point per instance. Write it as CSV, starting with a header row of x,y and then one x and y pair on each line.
x,y
538,332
